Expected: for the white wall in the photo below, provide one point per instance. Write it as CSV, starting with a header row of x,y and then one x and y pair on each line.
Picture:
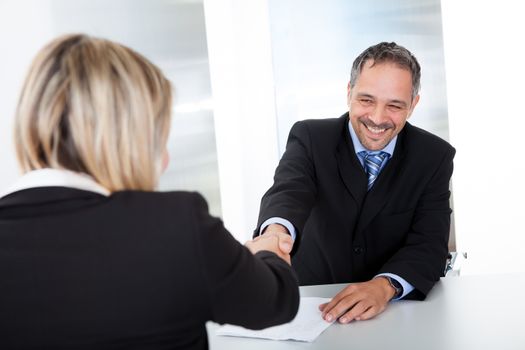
x,y
484,56
24,26
239,51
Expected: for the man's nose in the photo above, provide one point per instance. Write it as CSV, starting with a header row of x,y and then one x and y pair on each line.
x,y
377,115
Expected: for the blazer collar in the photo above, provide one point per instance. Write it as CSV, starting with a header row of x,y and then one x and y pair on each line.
x,y
350,169
48,199
55,178
380,193
46,188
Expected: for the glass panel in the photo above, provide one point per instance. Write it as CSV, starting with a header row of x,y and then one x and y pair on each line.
x,y
315,42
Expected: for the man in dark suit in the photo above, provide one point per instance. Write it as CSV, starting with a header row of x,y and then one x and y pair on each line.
x,y
364,198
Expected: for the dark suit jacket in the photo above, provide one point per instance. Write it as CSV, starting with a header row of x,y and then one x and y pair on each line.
x,y
135,270
346,234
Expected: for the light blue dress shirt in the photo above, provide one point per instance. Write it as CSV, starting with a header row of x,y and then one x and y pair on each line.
x,y
358,147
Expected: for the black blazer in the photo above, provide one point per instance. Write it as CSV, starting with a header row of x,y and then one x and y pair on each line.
x,y
135,270
346,234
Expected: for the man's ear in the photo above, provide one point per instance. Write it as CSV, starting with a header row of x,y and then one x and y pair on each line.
x,y
414,103
348,93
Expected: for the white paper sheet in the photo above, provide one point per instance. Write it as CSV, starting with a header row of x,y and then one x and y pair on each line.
x,y
306,326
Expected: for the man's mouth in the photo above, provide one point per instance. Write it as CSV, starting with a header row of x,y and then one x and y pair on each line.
x,y
375,130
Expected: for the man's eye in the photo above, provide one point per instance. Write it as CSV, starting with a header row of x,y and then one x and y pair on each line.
x,y
365,101
395,107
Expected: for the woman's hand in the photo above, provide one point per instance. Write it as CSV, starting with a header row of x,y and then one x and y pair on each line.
x,y
272,243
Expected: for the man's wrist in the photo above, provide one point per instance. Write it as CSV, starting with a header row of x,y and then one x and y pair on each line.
x,y
390,291
275,228
290,230
406,287
396,286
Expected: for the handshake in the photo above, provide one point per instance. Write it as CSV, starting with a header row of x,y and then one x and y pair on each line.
x,y
274,239
357,301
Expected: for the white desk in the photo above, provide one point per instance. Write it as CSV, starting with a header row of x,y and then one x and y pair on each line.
x,y
468,312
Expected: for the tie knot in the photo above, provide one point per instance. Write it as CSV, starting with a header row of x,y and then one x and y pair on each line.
x,y
372,163
374,156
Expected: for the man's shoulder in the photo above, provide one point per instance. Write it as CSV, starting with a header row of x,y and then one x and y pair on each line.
x,y
323,129
424,140
325,123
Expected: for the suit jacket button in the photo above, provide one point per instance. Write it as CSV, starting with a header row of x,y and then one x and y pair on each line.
x,y
358,250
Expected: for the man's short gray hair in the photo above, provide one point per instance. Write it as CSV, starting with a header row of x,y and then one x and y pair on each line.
x,y
388,53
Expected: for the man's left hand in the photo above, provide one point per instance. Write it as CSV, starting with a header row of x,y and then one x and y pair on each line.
x,y
359,301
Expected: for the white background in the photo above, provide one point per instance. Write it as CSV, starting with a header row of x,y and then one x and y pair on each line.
x,y
485,73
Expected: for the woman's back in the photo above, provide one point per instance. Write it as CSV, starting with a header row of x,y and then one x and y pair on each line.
x,y
133,270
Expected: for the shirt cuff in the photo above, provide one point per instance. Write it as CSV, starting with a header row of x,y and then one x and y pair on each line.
x,y
407,287
281,221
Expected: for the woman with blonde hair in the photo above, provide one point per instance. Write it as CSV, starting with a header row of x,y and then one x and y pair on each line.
x,y
91,257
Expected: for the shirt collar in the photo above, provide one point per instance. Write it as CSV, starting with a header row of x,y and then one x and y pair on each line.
x,y
358,147
56,178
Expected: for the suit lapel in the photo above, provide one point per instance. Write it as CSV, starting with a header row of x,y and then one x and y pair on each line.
x,y
378,196
350,170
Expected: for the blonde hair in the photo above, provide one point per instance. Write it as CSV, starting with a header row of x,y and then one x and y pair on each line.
x,y
94,106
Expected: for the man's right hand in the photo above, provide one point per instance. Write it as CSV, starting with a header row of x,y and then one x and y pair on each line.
x,y
275,238
270,243
279,231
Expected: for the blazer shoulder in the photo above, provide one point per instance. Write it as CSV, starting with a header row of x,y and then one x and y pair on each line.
x,y
323,131
426,141
324,125
158,196
172,203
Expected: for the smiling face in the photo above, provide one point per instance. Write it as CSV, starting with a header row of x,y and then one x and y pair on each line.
x,y
380,103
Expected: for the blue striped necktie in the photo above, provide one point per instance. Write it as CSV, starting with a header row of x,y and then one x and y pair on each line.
x,y
372,162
